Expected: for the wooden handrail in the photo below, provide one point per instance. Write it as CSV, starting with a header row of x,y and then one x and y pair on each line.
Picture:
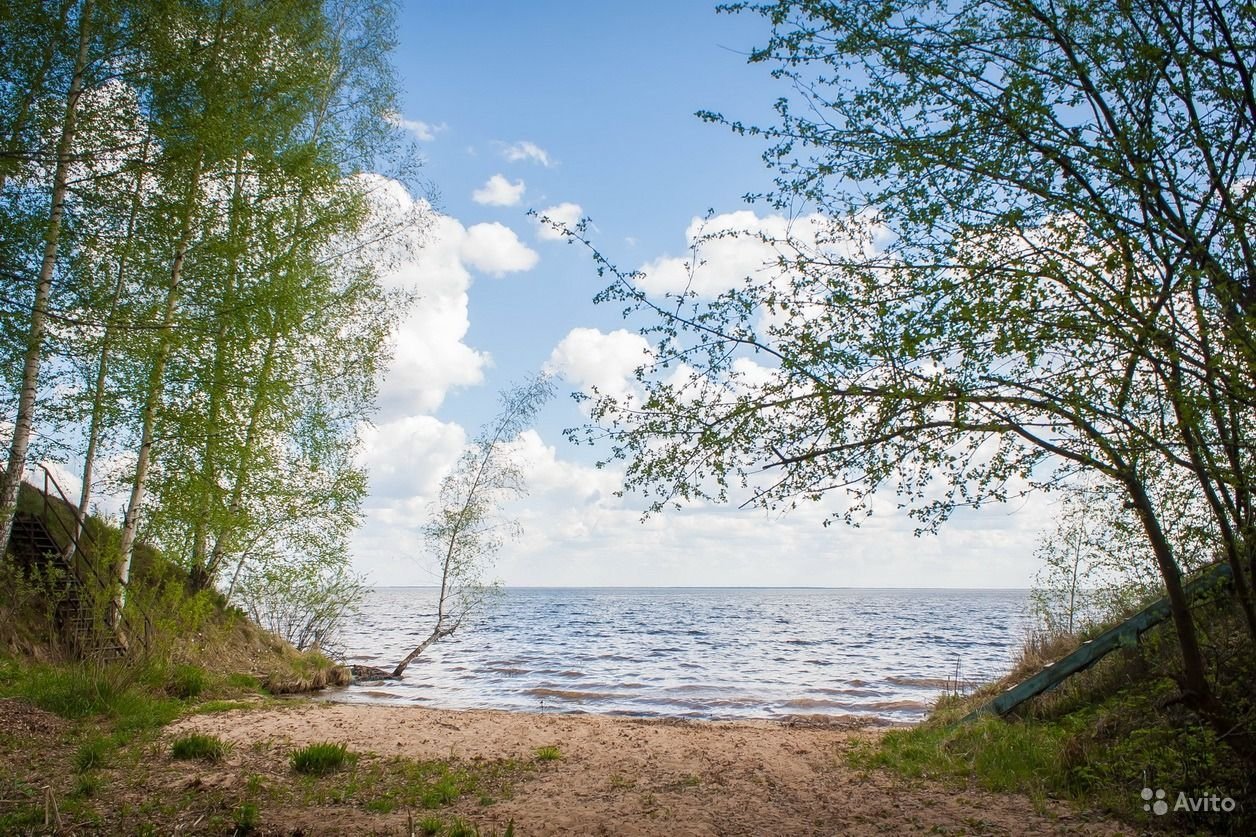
x,y
1124,635
76,547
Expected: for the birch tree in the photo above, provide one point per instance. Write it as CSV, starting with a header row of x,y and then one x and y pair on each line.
x,y
466,526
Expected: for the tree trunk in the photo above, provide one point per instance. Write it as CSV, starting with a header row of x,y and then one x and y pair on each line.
x,y
156,386
1197,692
223,535
217,385
24,423
96,422
423,646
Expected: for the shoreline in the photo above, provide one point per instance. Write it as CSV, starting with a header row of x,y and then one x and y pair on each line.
x,y
617,775
372,697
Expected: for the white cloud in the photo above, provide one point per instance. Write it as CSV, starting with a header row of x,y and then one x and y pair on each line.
x,y
588,358
422,131
408,457
527,151
576,530
429,355
735,245
495,249
567,214
499,191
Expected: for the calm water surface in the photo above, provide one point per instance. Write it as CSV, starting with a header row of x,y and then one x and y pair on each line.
x,y
695,653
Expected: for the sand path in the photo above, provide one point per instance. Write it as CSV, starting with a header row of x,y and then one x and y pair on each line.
x,y
639,777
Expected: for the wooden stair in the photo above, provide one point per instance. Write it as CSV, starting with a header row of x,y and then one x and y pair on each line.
x,y
1124,635
81,597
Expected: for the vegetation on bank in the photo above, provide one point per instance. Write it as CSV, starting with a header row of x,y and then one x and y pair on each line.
x,y
194,229
1103,735
82,749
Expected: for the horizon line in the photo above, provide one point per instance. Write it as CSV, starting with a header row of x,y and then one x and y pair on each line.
x,y
696,587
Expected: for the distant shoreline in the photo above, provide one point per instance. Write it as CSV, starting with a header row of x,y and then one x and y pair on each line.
x,y
700,587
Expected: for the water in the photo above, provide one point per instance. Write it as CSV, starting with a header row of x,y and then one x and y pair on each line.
x,y
714,653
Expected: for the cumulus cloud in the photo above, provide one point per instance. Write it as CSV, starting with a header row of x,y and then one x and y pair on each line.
x,y
408,456
495,249
736,245
588,358
499,191
567,214
526,151
577,531
430,355
422,131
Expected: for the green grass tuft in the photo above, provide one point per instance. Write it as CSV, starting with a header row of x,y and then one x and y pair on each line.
x,y
199,746
548,754
431,826
461,828
186,682
246,818
92,754
319,759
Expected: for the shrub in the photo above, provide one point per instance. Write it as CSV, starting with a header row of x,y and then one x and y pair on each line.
x,y
548,754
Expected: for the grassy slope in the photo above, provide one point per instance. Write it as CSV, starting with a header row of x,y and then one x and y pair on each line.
x,y
1100,737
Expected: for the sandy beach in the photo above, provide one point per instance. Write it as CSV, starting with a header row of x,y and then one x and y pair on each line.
x,y
619,775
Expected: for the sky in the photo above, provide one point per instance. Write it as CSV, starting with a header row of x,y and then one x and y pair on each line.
x,y
589,112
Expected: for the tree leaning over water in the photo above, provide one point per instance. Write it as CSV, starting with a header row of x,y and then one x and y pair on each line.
x,y
466,525
1029,255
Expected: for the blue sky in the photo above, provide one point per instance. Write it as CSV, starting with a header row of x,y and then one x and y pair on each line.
x,y
518,106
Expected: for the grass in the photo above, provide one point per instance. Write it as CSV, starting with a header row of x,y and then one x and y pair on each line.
x,y
431,826
386,785
1097,739
92,754
199,746
320,759
245,817
547,754
186,681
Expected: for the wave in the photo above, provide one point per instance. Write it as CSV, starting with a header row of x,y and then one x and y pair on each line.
x,y
920,682
816,703
567,694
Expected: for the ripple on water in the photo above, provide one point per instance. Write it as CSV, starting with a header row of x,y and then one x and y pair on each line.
x,y
720,653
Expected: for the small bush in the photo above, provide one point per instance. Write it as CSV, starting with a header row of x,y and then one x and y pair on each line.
x,y
548,754
198,746
318,759
431,826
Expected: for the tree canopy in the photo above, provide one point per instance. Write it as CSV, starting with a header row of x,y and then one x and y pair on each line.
x,y
192,241
1019,248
